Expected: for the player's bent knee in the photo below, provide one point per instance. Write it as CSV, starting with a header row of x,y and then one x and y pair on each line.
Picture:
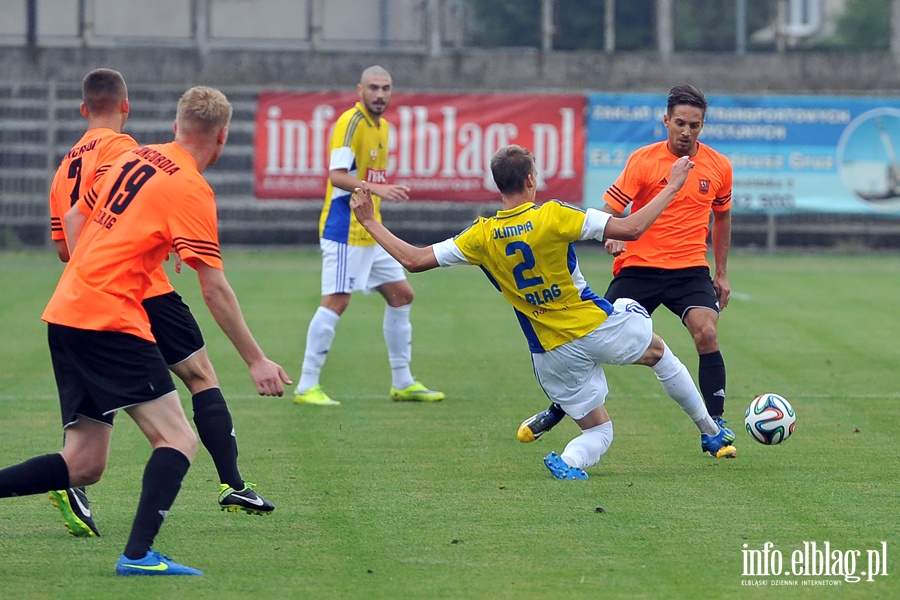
x,y
337,303
653,353
187,445
197,373
706,340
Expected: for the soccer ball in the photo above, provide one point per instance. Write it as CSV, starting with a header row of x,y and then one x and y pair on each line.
x,y
770,419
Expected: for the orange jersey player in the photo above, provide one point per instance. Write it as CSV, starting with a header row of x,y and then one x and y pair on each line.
x,y
142,214
678,238
106,107
101,344
172,324
667,265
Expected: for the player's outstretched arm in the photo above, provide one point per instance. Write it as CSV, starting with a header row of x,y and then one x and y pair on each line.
x,y
413,258
223,304
636,223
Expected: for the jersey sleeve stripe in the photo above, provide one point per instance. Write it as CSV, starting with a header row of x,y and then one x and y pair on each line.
x,y
722,200
90,198
201,247
216,255
619,196
351,129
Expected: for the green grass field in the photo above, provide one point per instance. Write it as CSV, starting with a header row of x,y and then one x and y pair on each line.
x,y
382,500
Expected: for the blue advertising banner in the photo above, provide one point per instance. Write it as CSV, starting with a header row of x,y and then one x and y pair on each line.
x,y
790,153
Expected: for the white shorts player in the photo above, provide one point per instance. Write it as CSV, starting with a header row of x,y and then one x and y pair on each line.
x,y
572,374
347,269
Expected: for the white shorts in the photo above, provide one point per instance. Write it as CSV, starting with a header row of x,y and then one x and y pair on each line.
x,y
572,374
347,269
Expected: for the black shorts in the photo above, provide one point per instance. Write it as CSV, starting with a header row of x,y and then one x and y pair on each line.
x,y
100,372
677,289
174,327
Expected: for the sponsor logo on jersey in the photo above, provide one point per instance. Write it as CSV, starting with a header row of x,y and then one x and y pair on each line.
x,y
376,176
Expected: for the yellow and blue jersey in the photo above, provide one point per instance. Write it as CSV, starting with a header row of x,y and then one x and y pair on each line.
x,y
528,254
361,147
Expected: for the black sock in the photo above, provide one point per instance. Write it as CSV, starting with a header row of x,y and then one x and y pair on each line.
x,y
35,476
216,431
162,480
557,412
712,382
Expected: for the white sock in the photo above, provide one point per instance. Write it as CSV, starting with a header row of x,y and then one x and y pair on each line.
x,y
398,337
677,382
585,450
318,342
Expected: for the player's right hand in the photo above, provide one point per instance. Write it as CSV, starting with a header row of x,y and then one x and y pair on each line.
x,y
679,172
361,203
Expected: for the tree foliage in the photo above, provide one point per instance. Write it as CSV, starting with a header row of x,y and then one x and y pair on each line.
x,y
864,25
505,23
704,25
711,25
700,25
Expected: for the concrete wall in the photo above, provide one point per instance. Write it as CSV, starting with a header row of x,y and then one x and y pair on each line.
x,y
501,70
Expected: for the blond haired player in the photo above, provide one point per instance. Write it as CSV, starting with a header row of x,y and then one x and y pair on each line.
x,y
104,357
105,106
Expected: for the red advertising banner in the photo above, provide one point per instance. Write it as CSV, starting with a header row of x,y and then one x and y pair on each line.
x,y
440,144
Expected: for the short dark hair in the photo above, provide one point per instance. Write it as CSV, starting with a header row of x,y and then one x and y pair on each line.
x,y
511,166
686,94
102,90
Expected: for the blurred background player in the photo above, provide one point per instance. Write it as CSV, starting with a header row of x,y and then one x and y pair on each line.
x,y
526,251
105,106
351,259
668,265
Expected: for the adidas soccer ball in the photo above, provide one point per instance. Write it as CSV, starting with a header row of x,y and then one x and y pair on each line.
x,y
770,419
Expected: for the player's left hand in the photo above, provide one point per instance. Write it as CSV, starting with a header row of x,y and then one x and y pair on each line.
x,y
269,377
396,192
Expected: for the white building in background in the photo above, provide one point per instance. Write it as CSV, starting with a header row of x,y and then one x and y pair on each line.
x,y
803,20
